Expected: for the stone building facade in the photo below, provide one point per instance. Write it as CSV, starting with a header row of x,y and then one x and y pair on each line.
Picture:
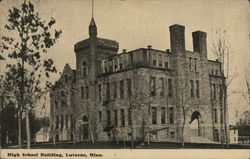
x,y
140,95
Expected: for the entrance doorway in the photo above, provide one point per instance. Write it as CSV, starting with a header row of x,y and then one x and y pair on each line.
x,y
195,128
85,131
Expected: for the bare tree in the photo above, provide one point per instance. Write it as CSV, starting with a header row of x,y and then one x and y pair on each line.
x,y
222,50
246,94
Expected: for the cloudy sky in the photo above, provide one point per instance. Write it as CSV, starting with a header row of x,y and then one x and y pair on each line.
x,y
138,23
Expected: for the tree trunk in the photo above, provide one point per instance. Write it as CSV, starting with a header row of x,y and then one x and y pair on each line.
x,y
54,139
28,129
74,136
92,137
132,138
124,145
20,106
1,109
148,137
221,132
225,116
19,128
183,124
182,135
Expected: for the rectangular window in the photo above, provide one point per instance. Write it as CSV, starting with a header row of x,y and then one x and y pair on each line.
x,y
214,91
216,72
154,115
120,62
216,135
99,67
161,86
71,122
82,92
122,117
197,89
108,91
62,94
129,87
221,116
166,61
160,60
56,104
172,134
115,89
67,118
220,91
170,88
152,86
154,59
129,116
62,102
100,116
115,118
190,63
215,116
57,122
116,64
131,58
192,88
122,89
105,66
155,135
212,71
110,65
108,118
195,64
163,115
84,69
171,115
62,122
100,92
87,92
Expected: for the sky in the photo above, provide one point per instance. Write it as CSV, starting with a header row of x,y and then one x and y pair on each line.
x,y
138,23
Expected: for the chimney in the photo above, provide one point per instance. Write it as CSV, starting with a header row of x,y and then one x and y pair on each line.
x,y
177,38
200,42
149,47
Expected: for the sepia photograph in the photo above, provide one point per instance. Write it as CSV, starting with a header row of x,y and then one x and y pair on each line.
x,y
124,79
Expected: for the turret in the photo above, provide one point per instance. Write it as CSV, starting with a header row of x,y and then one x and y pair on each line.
x,y
92,28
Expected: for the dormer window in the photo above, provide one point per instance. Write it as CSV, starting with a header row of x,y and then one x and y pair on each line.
x,y
84,69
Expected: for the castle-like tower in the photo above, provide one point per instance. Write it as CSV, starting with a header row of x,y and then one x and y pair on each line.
x,y
141,95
